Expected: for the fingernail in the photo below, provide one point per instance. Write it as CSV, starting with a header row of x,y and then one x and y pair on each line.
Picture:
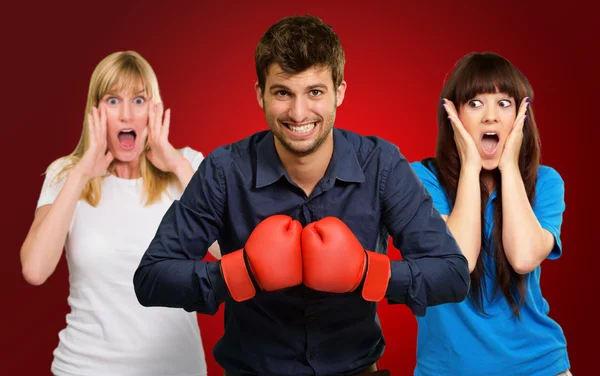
x,y
525,118
527,105
527,99
443,101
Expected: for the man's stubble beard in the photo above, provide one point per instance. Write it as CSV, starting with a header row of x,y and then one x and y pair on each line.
x,y
318,142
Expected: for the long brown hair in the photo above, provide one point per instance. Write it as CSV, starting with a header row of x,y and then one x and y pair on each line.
x,y
476,74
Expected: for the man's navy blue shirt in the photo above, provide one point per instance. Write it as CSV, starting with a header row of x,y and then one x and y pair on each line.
x,y
370,186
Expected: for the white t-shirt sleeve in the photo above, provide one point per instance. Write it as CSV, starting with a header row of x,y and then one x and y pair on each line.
x,y
52,186
195,157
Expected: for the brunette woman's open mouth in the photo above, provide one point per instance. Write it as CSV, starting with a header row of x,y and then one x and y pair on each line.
x,y
489,142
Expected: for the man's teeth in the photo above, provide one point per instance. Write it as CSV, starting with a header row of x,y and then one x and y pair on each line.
x,y
302,128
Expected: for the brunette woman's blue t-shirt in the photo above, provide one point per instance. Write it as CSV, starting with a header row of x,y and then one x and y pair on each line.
x,y
457,339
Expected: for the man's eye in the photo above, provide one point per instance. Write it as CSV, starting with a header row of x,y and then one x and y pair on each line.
x,y
315,93
112,101
281,93
504,103
139,100
475,103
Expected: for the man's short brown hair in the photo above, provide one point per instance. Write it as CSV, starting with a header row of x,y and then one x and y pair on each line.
x,y
297,43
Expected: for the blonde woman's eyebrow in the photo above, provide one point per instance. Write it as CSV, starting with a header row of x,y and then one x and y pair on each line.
x,y
114,94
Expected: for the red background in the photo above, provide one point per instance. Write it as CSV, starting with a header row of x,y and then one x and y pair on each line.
x,y
203,54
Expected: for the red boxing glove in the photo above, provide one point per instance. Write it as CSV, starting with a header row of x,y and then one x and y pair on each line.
x,y
334,261
273,255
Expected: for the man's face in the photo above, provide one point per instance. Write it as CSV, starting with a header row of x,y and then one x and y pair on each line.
x,y
300,108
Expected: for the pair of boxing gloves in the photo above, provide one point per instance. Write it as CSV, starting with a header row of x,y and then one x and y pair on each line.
x,y
325,256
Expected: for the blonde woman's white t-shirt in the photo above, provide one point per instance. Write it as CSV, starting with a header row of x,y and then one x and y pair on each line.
x,y
108,332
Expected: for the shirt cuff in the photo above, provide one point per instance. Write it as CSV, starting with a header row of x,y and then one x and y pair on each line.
x,y
217,282
406,287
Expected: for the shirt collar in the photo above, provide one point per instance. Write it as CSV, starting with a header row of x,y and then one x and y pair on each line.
x,y
268,166
343,166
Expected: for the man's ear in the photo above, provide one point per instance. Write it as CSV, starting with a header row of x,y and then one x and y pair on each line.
x,y
340,93
259,95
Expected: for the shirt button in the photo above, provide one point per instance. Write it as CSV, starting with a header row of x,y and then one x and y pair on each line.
x,y
311,318
312,355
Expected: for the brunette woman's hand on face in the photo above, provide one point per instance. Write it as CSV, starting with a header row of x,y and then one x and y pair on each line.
x,y
467,150
96,159
510,155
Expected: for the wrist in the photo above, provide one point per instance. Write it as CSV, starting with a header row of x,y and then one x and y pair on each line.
x,y
509,168
77,175
78,178
470,171
183,168
177,166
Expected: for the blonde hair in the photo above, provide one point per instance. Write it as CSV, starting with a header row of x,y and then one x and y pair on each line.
x,y
121,70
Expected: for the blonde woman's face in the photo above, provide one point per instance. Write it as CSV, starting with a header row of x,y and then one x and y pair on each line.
x,y
126,121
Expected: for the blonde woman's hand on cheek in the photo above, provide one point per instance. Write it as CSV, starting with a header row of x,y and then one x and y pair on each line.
x,y
97,158
162,154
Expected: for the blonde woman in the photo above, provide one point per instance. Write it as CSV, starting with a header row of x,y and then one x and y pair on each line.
x,y
102,204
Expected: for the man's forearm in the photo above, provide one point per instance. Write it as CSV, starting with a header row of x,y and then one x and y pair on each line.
x,y
427,282
188,284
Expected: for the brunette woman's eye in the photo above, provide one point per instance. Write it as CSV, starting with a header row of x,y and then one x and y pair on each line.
x,y
475,103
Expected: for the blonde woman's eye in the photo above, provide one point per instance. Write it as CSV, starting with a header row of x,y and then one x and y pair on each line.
x,y
475,103
139,100
504,103
112,101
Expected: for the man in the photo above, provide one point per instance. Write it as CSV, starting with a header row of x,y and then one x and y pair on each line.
x,y
302,213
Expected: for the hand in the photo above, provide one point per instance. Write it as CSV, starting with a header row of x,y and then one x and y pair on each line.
x,y
334,261
162,154
274,259
96,159
510,154
467,150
